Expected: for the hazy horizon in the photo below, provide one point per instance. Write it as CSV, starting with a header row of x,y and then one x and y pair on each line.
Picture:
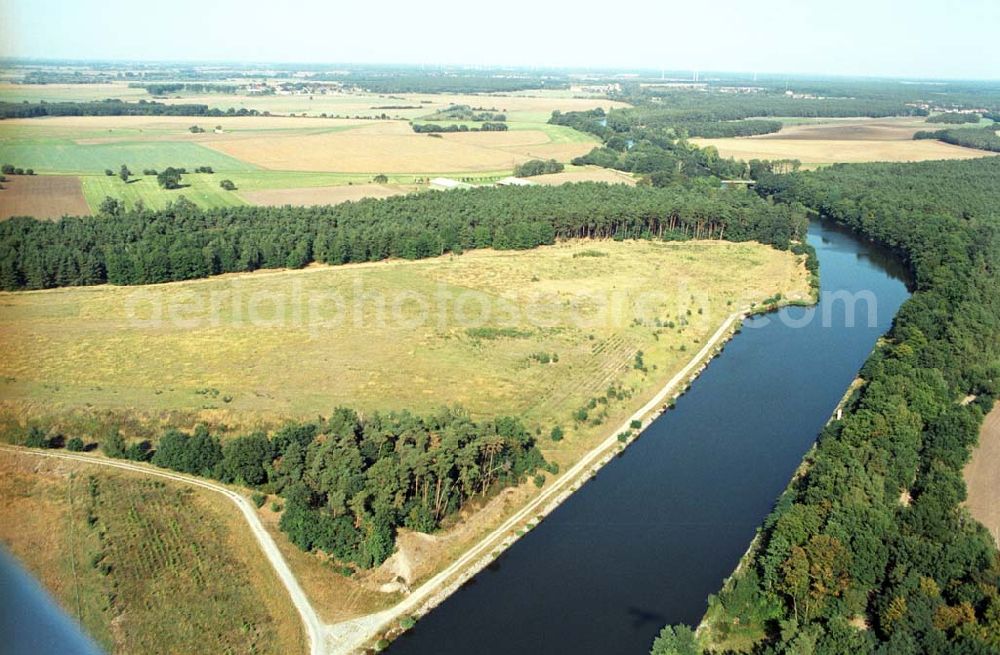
x,y
858,38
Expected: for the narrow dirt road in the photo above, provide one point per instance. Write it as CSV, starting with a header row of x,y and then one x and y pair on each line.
x,y
315,630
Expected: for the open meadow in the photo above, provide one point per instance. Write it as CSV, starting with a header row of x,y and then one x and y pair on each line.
x,y
829,141
537,333
145,565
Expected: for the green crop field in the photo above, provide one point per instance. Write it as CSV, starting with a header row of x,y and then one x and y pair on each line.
x,y
201,189
66,156
145,565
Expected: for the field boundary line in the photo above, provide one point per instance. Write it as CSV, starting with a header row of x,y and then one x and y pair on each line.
x,y
314,627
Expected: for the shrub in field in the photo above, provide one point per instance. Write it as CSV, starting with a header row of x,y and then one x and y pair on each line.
x,y
557,433
258,499
170,178
75,445
113,445
227,185
37,438
139,451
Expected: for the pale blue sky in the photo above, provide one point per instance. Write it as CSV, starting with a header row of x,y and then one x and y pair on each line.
x,y
916,38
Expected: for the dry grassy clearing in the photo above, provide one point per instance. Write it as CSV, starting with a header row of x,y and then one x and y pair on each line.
x,y
298,343
147,566
826,142
982,475
42,196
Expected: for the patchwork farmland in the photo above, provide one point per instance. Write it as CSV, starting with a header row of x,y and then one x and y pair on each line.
x,y
274,159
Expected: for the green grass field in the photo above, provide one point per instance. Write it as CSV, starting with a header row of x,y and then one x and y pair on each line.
x,y
201,189
68,157
146,566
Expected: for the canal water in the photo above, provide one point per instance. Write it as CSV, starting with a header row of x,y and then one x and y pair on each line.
x,y
661,526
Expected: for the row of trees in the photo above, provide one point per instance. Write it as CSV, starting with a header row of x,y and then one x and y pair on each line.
x,y
726,129
467,113
538,167
112,107
184,242
433,128
350,481
166,88
873,534
954,118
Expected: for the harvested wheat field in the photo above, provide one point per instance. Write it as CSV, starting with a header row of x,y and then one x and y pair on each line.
x,y
42,196
982,475
860,140
585,174
327,195
390,147
886,129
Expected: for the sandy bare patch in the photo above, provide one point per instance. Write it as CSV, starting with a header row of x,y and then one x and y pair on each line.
x,y
589,174
42,196
328,195
982,475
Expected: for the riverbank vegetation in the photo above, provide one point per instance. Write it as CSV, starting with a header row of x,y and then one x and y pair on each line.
x,y
869,550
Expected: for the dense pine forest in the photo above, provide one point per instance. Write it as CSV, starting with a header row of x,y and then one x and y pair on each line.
x,y
184,242
869,550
